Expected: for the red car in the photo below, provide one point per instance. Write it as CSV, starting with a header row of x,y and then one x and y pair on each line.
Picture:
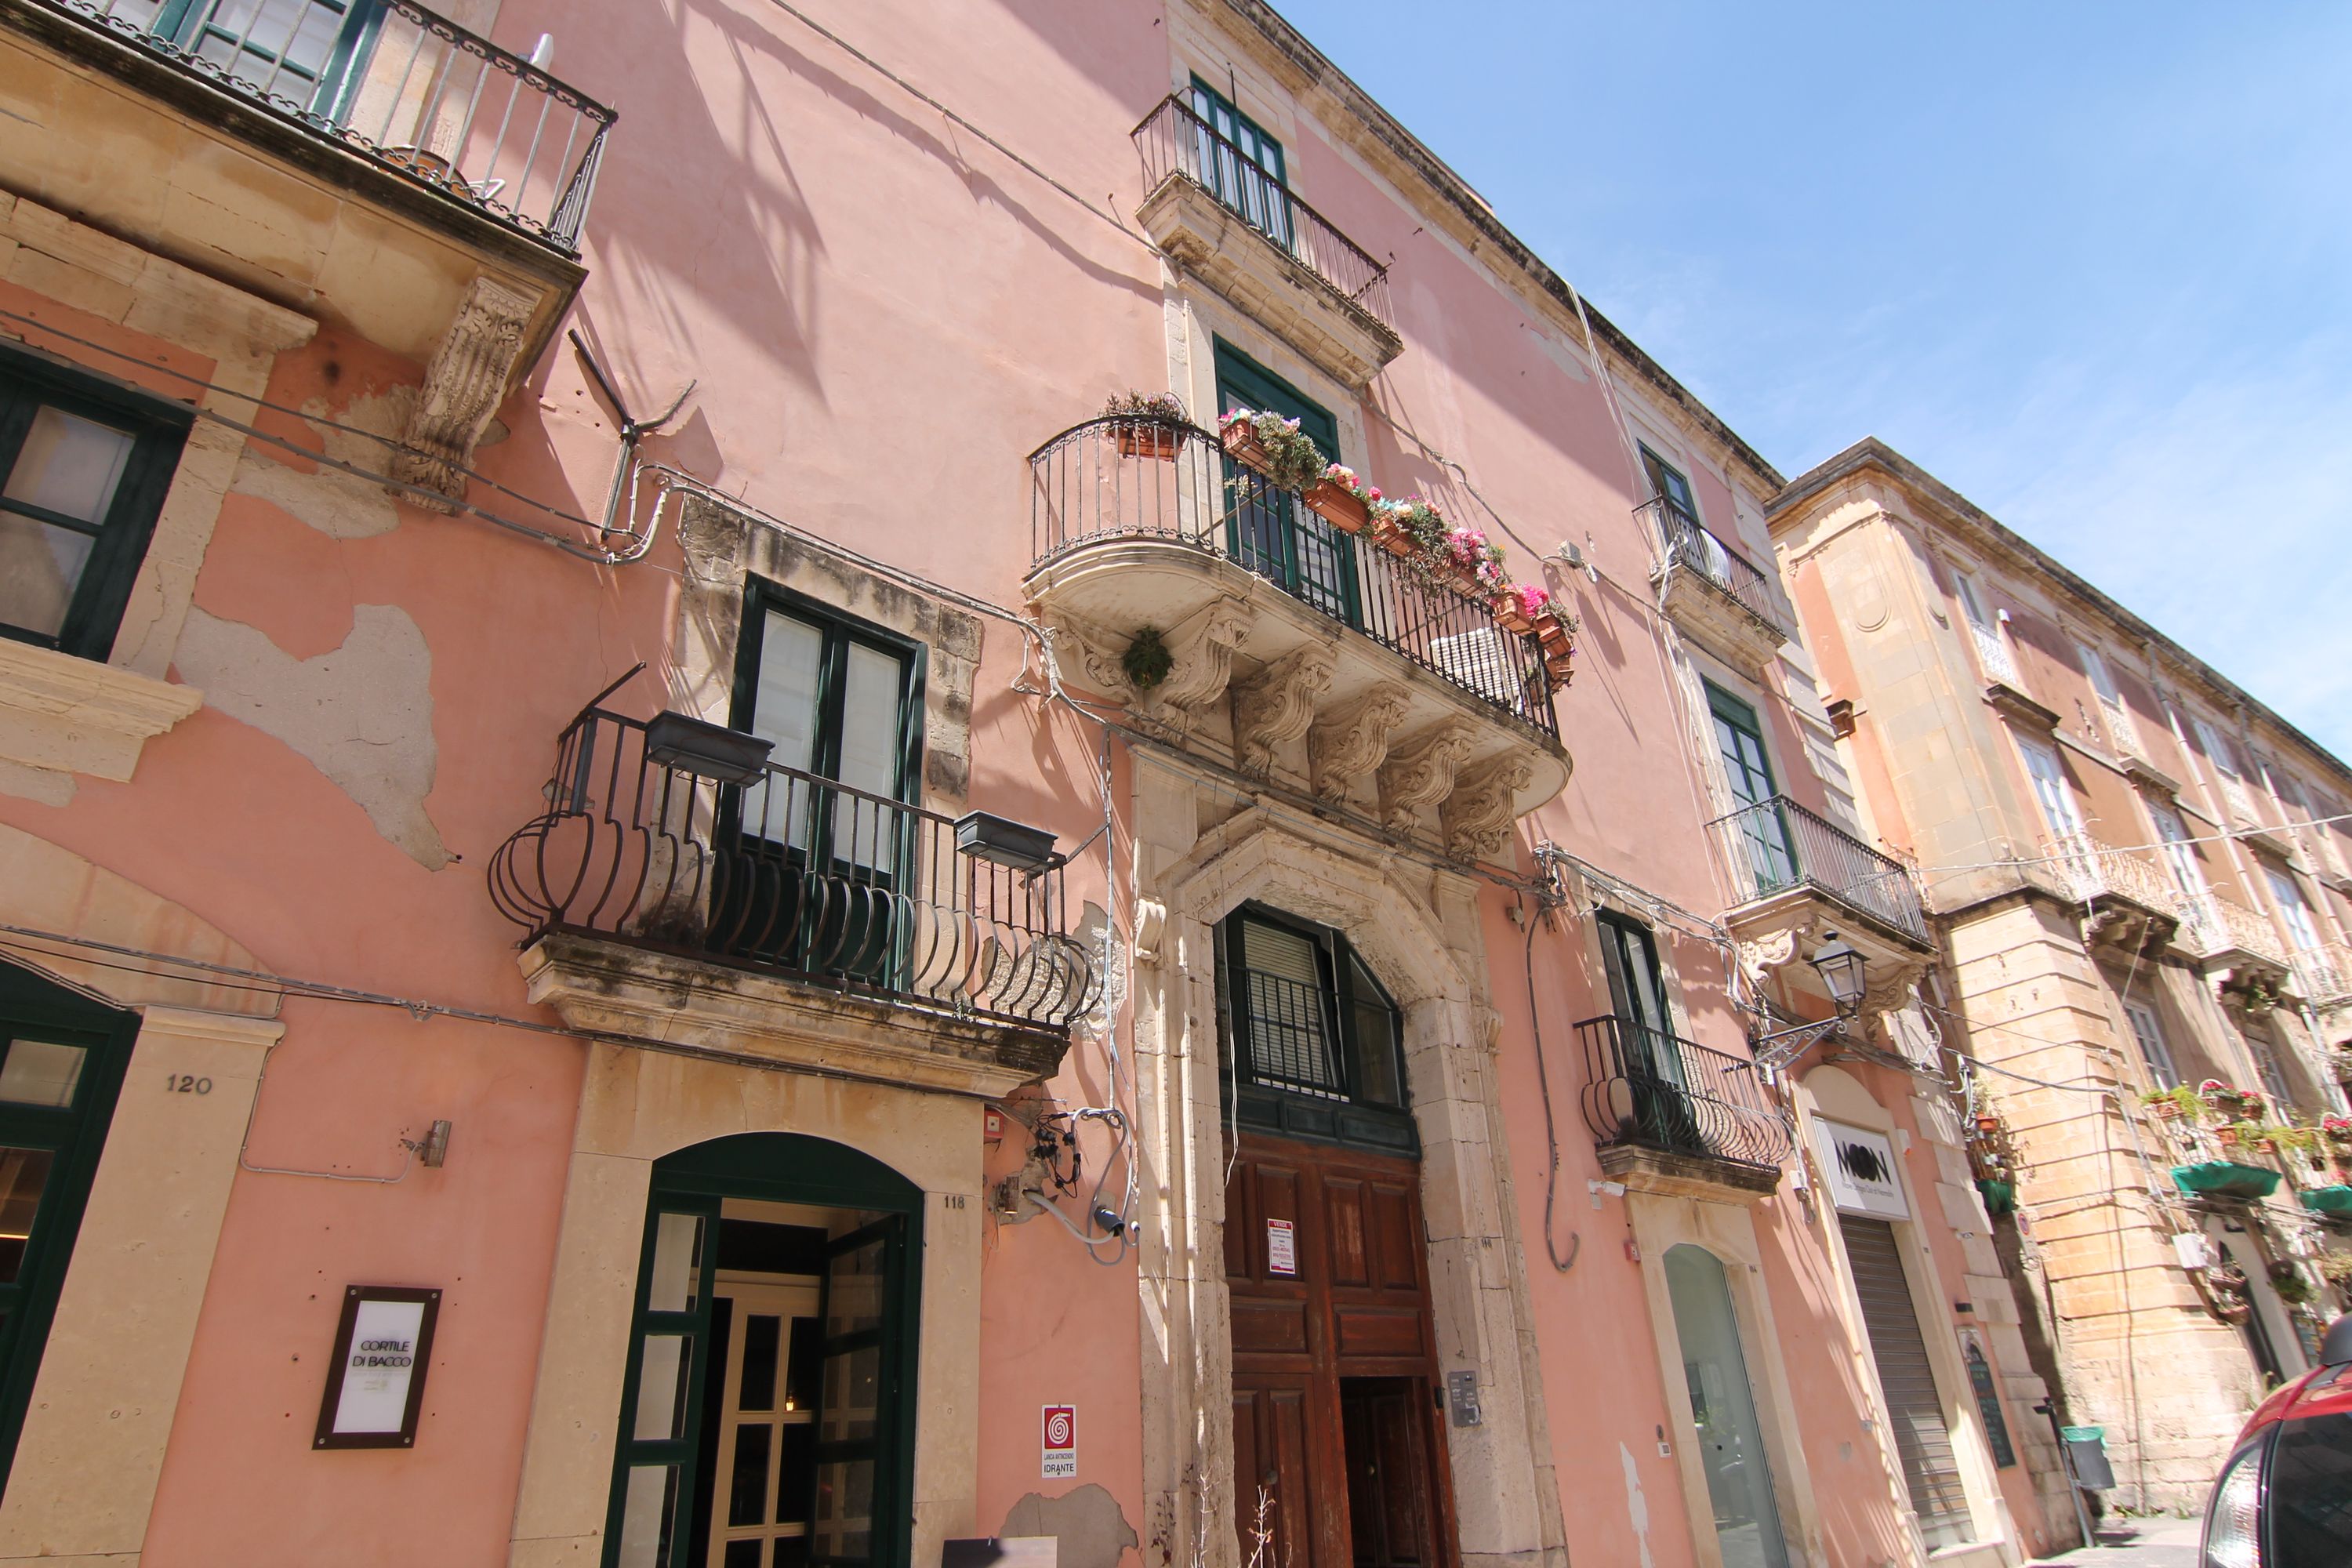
x,y
2285,1497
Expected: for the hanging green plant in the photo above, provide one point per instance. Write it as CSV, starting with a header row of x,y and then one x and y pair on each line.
x,y
2288,1281
1147,662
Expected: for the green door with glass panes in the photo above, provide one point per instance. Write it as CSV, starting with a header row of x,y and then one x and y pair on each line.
x,y
768,1408
1763,821
61,1064
1266,530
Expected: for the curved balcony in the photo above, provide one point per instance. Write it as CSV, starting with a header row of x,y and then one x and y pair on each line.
x,y
650,845
1294,647
1670,1116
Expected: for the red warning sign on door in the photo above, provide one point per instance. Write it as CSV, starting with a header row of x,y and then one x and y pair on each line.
x,y
1061,1452
1281,1247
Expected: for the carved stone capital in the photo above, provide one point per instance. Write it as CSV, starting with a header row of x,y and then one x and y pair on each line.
x,y
463,383
1421,772
1278,705
1093,651
1478,815
1351,741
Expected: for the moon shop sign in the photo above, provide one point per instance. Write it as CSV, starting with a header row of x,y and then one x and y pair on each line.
x,y
376,1384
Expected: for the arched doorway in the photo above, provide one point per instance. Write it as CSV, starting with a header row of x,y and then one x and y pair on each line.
x,y
767,1412
1723,1411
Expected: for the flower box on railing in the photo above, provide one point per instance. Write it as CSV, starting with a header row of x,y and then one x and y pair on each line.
x,y
1338,506
710,750
2225,1179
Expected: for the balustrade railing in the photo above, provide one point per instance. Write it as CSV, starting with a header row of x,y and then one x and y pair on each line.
x,y
1131,477
1177,143
2323,974
408,88
1692,546
2215,924
772,869
1646,1087
1780,845
2085,868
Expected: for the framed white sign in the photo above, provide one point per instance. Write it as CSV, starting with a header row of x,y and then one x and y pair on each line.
x,y
376,1384
1861,1169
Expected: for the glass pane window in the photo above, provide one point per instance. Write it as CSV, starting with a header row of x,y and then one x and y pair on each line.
x,y
2178,852
1762,825
2152,1047
80,485
1731,1437
648,1516
1308,1016
23,1176
1240,165
677,1280
835,702
279,47
663,1363
2292,908
2050,790
1669,484
41,1072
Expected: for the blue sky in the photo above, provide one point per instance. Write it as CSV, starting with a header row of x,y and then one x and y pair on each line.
x,y
2089,264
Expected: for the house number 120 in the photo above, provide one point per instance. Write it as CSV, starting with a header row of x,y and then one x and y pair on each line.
x,y
186,1083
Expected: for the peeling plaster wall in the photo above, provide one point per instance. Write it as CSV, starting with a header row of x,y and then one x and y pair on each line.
x,y
338,505
361,714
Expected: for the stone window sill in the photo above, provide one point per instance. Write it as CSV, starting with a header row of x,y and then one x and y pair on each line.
x,y
70,715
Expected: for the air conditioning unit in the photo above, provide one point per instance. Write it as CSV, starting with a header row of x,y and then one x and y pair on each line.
x,y
1482,662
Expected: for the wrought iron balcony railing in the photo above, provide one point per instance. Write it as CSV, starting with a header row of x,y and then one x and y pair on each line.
x,y
788,873
1690,544
1780,845
1177,143
1647,1089
406,88
1124,477
2324,974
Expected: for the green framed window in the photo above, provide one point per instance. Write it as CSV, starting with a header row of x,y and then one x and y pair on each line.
x,y
299,51
1748,773
1649,1054
1266,530
61,1064
86,470
768,1406
815,865
1242,165
1313,1039
1669,484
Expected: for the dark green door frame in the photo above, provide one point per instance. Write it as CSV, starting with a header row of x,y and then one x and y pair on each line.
x,y
689,1187
1266,530
68,1138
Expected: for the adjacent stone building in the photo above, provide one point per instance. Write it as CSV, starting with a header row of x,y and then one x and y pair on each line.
x,y
2136,875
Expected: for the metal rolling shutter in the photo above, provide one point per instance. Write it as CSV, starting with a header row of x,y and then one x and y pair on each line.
x,y
1922,1441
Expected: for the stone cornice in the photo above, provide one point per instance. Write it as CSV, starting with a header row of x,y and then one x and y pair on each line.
x,y
76,715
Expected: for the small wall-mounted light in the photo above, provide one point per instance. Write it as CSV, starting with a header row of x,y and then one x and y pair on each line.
x,y
1007,843
1840,967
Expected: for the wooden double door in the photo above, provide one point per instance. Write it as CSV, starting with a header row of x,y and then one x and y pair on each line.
x,y
1338,1419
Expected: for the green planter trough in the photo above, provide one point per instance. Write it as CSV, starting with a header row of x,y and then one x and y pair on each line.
x,y
2000,1197
2225,1179
2327,1200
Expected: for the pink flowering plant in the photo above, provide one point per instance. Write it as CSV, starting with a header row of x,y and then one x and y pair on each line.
x,y
1348,479
1534,599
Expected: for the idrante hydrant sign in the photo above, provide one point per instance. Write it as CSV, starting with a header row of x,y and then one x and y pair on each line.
x,y
1061,1455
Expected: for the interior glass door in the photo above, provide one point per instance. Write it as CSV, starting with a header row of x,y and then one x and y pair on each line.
x,y
1723,1411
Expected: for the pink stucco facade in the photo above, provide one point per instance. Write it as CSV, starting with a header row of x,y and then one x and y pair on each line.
x,y
883,306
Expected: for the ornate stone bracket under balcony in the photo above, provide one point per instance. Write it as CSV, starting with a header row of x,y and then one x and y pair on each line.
x,y
428,197
1347,678
1237,227
2132,905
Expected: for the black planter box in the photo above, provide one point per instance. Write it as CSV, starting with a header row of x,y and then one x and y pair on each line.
x,y
713,750
1006,842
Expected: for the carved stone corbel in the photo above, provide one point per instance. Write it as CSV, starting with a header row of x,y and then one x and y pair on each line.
x,y
1351,743
1093,649
463,383
1478,815
1202,647
1278,705
1421,772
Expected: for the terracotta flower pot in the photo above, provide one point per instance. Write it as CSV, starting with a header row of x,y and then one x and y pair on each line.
x,y
1509,615
2167,1111
1391,537
1339,507
2226,1136
1242,445
1987,1123
1144,438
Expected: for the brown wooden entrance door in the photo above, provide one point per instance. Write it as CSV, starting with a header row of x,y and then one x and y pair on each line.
x,y
1336,1425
